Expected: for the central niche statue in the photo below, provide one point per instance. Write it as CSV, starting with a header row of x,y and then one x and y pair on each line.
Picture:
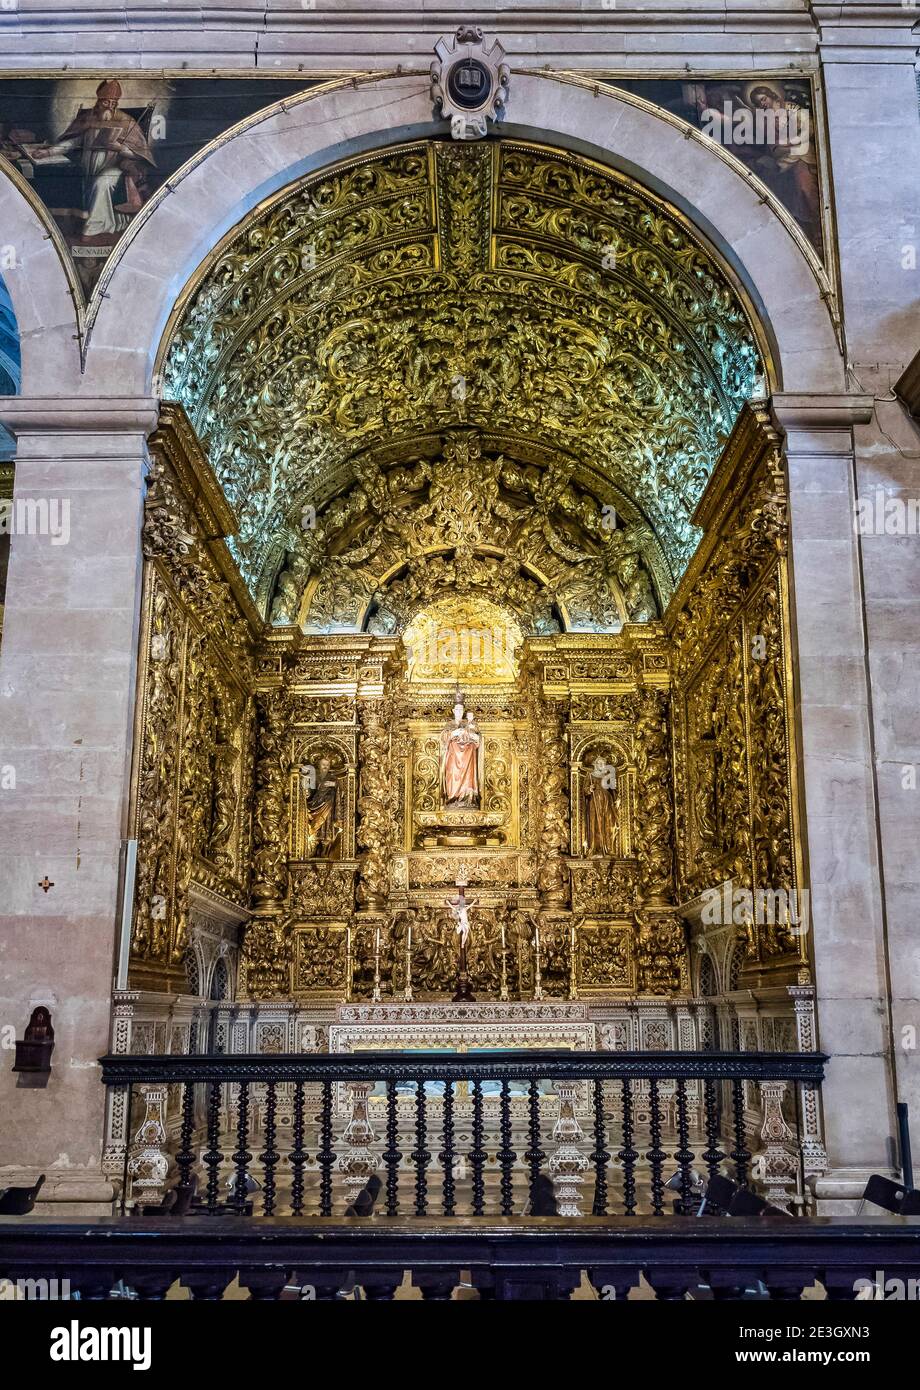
x,y
319,789
601,829
461,761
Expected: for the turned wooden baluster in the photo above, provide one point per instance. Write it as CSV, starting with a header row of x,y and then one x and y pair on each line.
x,y
600,1156
297,1156
185,1158
213,1157
712,1154
420,1155
477,1152
506,1154
392,1154
241,1155
446,1156
740,1154
269,1155
683,1155
534,1154
628,1155
656,1154
326,1156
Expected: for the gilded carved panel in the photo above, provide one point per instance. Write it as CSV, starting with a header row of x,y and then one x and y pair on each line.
x,y
194,755
734,751
432,287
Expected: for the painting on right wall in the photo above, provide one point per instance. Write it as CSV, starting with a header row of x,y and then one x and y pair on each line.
x,y
767,122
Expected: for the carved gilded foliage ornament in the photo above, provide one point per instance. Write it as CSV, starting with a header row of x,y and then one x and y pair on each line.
x,y
430,287
734,692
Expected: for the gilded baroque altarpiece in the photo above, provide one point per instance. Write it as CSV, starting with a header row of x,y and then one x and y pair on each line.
x,y
289,792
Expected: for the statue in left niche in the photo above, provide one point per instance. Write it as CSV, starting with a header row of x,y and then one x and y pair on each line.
x,y
319,790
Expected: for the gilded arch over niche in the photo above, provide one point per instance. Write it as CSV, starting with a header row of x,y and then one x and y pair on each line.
x,y
476,513
432,289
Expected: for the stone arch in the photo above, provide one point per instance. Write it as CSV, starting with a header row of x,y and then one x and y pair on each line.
x,y
185,220
194,971
707,977
219,985
42,293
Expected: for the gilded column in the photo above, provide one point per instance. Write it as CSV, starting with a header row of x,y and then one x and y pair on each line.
x,y
267,967
661,948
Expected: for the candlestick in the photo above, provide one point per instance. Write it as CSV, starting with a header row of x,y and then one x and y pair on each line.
x,y
377,965
538,979
348,963
504,989
573,981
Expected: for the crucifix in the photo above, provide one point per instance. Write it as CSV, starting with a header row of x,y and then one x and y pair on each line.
x,y
459,911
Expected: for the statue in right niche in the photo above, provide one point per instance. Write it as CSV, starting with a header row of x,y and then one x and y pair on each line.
x,y
601,833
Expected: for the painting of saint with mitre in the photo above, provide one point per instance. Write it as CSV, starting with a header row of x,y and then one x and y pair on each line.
x,y
601,834
461,761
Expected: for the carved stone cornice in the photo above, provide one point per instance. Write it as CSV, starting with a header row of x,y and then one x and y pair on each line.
x,y
822,411
61,415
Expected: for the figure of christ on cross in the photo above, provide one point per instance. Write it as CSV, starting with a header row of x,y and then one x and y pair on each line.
x,y
459,911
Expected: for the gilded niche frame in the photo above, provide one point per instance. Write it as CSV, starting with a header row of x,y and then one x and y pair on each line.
x,y
593,740
308,746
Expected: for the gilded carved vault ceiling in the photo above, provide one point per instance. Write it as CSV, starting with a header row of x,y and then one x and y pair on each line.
x,y
491,365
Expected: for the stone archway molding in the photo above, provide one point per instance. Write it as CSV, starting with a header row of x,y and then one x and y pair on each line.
x,y
43,289
344,118
190,214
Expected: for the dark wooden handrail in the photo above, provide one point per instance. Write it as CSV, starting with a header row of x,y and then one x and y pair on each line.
x,y
512,1065
507,1259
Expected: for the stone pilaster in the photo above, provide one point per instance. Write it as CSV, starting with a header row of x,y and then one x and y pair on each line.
x,y
847,922
67,687
874,146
